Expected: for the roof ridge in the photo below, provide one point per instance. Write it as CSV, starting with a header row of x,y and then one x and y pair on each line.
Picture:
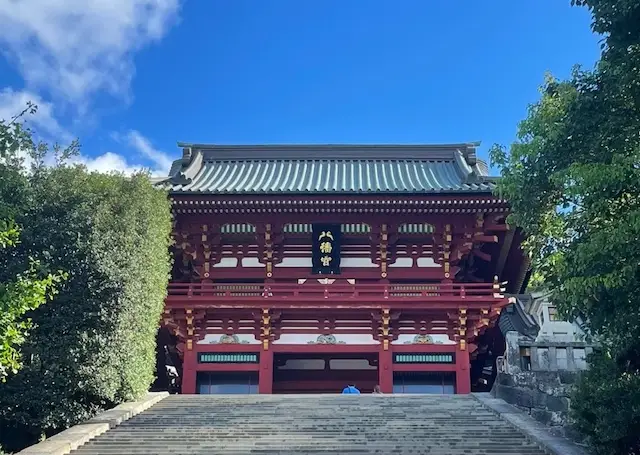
x,y
212,152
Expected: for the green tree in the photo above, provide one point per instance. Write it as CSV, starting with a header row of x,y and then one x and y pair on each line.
x,y
573,180
93,345
25,289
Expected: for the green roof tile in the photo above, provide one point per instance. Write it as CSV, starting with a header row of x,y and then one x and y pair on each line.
x,y
355,169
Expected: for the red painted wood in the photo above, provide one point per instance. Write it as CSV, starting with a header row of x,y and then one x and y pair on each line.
x,y
317,291
385,370
298,273
189,367
424,348
390,201
447,303
376,295
325,348
463,375
227,367
224,347
265,374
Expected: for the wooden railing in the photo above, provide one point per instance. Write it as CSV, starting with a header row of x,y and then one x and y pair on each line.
x,y
321,292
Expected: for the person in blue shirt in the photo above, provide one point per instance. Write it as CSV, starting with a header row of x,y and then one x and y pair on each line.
x,y
351,389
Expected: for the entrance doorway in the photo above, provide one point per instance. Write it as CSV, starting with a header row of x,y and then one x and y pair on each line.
x,y
226,383
324,373
424,382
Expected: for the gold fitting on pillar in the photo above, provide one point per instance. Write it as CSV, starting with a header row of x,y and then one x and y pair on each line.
x,y
463,345
265,345
385,344
189,345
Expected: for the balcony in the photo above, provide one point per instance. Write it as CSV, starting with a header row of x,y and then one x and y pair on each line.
x,y
312,295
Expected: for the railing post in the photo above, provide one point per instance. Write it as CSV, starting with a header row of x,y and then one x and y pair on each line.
x,y
386,291
190,290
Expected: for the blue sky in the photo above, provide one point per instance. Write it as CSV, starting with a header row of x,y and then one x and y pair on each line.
x,y
130,78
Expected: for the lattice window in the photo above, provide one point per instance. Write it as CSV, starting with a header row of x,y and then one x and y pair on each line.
x,y
237,228
350,228
356,228
423,358
416,228
227,358
297,228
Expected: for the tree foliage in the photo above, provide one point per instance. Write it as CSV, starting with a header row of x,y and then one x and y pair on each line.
x,y
24,289
93,345
573,179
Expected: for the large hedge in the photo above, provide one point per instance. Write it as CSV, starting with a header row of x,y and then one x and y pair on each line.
x,y
22,288
93,345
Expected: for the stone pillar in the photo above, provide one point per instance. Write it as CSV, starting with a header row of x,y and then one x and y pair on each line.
x,y
463,375
189,366
553,359
265,375
385,369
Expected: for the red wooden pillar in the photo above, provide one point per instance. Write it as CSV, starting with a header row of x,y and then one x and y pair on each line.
x,y
385,369
463,375
189,366
265,375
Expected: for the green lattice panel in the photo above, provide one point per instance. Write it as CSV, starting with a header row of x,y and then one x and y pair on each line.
x,y
423,358
227,358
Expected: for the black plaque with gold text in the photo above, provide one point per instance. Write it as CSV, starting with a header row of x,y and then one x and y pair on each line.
x,y
326,249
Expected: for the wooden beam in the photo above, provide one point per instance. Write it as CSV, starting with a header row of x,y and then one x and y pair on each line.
x,y
496,227
445,303
504,251
480,238
482,255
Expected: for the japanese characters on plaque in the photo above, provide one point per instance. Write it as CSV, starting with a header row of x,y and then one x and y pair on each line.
x,y
326,249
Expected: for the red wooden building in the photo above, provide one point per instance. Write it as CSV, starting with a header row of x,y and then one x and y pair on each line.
x,y
304,268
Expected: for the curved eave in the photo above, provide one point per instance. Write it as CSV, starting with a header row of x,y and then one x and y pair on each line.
x,y
331,193
515,317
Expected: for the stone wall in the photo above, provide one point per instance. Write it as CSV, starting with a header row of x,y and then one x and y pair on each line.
x,y
538,377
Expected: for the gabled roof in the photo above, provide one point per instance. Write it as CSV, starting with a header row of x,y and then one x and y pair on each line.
x,y
304,169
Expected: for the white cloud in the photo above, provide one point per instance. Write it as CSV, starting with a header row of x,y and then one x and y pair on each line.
x,y
161,161
74,49
70,51
108,162
13,103
47,127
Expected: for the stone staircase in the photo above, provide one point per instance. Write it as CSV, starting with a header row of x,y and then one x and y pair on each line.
x,y
312,424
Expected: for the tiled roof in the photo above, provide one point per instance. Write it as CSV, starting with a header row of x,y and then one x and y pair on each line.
x,y
515,317
268,169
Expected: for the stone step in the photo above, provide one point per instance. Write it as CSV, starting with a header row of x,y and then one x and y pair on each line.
x,y
318,424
